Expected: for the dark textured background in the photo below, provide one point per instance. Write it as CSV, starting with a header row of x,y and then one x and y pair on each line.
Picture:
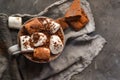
x,y
106,66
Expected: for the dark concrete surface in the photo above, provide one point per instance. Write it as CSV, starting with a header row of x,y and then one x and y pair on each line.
x,y
106,66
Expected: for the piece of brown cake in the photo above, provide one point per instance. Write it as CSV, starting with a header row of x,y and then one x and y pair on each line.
x,y
75,16
62,22
74,12
34,26
84,19
78,24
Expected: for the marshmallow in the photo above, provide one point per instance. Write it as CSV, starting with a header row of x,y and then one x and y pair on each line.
x,y
54,27
56,45
25,44
34,25
42,53
15,22
38,39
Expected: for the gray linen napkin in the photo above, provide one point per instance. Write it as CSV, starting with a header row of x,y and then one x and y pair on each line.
x,y
8,66
79,51
3,48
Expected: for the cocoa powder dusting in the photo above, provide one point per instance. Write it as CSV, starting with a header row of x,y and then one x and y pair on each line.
x,y
25,44
48,40
31,43
36,37
60,34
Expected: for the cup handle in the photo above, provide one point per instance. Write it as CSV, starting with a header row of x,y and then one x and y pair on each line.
x,y
13,50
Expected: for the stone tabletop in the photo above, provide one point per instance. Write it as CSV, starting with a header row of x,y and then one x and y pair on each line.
x,y
106,66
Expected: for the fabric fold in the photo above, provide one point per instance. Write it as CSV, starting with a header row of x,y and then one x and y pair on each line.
x,y
94,47
8,65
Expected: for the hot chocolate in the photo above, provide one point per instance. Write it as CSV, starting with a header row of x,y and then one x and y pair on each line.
x,y
44,37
